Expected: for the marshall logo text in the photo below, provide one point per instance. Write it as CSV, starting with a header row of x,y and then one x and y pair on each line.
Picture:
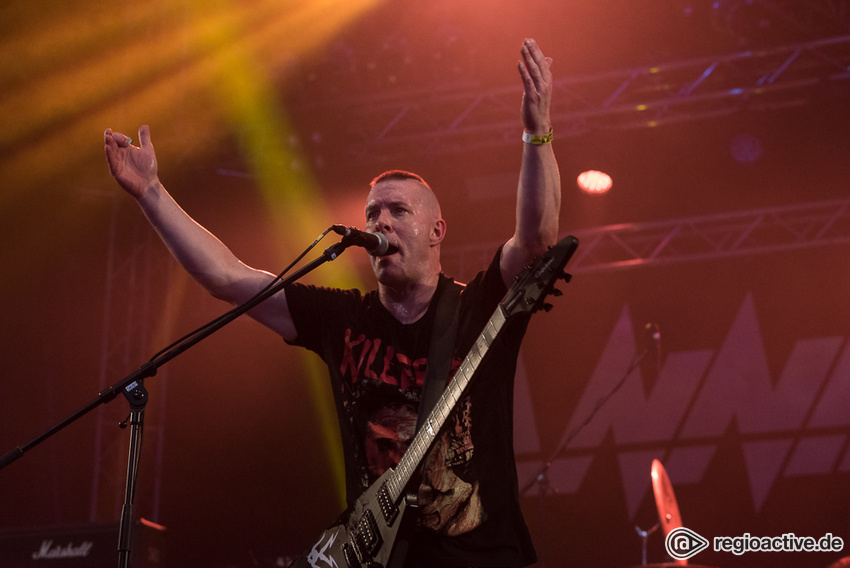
x,y
48,551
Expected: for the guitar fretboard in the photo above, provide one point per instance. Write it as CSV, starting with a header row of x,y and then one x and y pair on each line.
x,y
444,406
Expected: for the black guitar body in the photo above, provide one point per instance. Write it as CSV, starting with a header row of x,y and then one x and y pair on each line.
x,y
370,534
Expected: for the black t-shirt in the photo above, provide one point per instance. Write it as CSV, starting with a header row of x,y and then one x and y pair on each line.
x,y
470,515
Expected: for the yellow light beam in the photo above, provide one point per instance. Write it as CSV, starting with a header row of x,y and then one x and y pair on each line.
x,y
248,99
155,72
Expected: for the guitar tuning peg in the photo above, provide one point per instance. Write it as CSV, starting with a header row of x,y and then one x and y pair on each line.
x,y
547,307
565,276
556,292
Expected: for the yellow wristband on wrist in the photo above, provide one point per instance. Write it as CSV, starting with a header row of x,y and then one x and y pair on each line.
x,y
537,139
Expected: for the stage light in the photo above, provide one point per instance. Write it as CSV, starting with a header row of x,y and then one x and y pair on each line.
x,y
594,182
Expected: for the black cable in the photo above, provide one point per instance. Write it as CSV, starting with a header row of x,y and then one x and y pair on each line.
x,y
542,476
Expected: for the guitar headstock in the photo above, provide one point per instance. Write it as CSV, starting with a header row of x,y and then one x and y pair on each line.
x,y
537,281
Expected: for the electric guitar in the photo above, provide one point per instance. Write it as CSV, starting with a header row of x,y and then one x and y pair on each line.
x,y
365,535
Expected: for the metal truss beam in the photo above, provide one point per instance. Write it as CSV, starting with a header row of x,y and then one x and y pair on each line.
x,y
134,264
689,239
754,19
464,118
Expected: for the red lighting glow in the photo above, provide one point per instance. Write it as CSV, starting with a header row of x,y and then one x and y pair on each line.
x,y
594,182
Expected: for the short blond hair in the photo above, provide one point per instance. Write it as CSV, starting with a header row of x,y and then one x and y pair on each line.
x,y
398,174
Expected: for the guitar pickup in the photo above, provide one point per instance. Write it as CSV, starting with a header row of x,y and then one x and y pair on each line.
x,y
367,535
388,507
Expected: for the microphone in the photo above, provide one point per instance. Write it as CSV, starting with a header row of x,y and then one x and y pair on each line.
x,y
375,244
656,331
656,340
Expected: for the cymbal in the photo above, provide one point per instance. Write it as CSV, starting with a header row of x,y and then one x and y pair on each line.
x,y
665,499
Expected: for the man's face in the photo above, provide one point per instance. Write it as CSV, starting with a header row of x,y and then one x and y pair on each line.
x,y
407,213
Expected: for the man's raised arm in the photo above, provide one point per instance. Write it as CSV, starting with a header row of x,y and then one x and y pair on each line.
x,y
205,257
539,191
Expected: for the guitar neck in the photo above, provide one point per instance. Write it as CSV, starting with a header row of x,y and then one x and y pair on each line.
x,y
445,405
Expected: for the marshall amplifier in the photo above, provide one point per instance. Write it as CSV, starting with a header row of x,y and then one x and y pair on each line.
x,y
84,546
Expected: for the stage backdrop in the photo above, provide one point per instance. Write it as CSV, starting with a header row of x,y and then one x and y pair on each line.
x,y
741,393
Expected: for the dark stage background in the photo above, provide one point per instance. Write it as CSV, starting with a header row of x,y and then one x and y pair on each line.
x,y
728,230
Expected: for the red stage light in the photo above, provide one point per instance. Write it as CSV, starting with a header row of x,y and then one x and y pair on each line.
x,y
595,182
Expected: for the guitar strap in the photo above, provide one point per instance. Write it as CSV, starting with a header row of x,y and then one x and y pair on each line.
x,y
443,334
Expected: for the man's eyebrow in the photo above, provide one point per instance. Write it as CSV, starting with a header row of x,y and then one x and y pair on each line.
x,y
396,203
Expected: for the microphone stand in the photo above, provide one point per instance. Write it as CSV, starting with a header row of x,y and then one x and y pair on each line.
x,y
137,398
132,386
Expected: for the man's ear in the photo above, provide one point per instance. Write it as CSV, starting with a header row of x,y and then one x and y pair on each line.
x,y
438,232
